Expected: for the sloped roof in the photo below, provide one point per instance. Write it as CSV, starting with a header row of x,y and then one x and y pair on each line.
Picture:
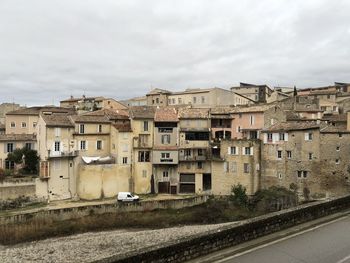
x,y
193,113
292,126
110,113
57,120
254,108
142,112
37,109
334,129
166,114
90,119
123,127
157,91
17,137
335,118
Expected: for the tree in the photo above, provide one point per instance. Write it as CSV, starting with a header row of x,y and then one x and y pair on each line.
x,y
239,195
29,159
295,92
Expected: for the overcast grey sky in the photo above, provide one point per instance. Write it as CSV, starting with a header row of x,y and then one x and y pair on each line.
x,y
50,50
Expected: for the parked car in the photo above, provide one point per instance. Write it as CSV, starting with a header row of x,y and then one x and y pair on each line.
x,y
127,197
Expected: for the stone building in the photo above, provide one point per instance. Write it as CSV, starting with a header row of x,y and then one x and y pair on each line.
x,y
239,163
194,151
165,154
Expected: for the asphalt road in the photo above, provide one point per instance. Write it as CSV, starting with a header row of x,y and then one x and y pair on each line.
x,y
325,243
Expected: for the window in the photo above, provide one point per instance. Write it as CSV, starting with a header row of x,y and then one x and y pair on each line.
x,y
194,100
179,101
34,124
247,151
99,145
125,147
302,174
187,152
238,129
252,120
165,155
57,147
233,167
279,176
200,152
246,168
281,136
338,148
226,166
200,165
81,128
144,156
308,136
165,139
203,99
125,160
83,145
24,125
165,174
144,173
269,137
28,145
340,135
173,100
337,161
57,132
13,124
145,126
289,154
99,128
279,154
9,165
169,101
310,156
9,147
157,100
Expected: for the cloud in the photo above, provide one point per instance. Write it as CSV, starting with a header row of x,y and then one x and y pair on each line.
x,y
53,49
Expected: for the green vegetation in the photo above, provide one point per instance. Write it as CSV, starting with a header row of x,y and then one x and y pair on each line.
x,y
237,206
29,158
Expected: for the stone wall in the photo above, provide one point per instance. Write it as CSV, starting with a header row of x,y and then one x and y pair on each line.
x,y
103,181
33,219
12,188
212,241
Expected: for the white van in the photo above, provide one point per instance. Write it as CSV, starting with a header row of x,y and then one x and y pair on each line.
x,y
127,197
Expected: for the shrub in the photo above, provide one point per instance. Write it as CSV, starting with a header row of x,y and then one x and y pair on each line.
x,y
239,195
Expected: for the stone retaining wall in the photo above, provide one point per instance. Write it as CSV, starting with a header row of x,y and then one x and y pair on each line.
x,y
207,243
54,214
12,188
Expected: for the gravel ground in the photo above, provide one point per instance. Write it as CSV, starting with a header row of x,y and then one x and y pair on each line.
x,y
96,245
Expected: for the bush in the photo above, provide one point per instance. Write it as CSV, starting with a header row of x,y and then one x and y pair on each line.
x,y
239,195
8,172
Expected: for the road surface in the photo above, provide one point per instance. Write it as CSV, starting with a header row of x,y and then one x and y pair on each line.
x,y
325,243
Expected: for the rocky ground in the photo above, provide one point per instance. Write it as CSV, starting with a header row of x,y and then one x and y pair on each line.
x,y
92,246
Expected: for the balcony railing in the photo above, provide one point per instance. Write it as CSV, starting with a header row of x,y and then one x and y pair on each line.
x,y
194,158
62,154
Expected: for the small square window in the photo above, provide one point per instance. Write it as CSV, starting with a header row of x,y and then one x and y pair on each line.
x,y
338,148
337,161
279,154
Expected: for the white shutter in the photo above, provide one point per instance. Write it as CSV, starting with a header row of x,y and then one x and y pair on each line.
x,y
79,145
252,150
86,144
101,144
237,150
229,150
306,136
286,137
265,137
275,137
53,147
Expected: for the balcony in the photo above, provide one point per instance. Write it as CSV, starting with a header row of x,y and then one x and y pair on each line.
x,y
196,158
62,154
194,144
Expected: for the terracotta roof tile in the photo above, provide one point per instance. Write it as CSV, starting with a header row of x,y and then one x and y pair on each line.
x,y
57,120
166,114
193,113
292,126
17,137
142,112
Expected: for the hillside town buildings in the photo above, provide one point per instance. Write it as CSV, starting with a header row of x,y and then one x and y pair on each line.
x,y
199,141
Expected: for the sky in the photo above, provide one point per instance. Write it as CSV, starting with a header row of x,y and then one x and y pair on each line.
x,y
50,50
